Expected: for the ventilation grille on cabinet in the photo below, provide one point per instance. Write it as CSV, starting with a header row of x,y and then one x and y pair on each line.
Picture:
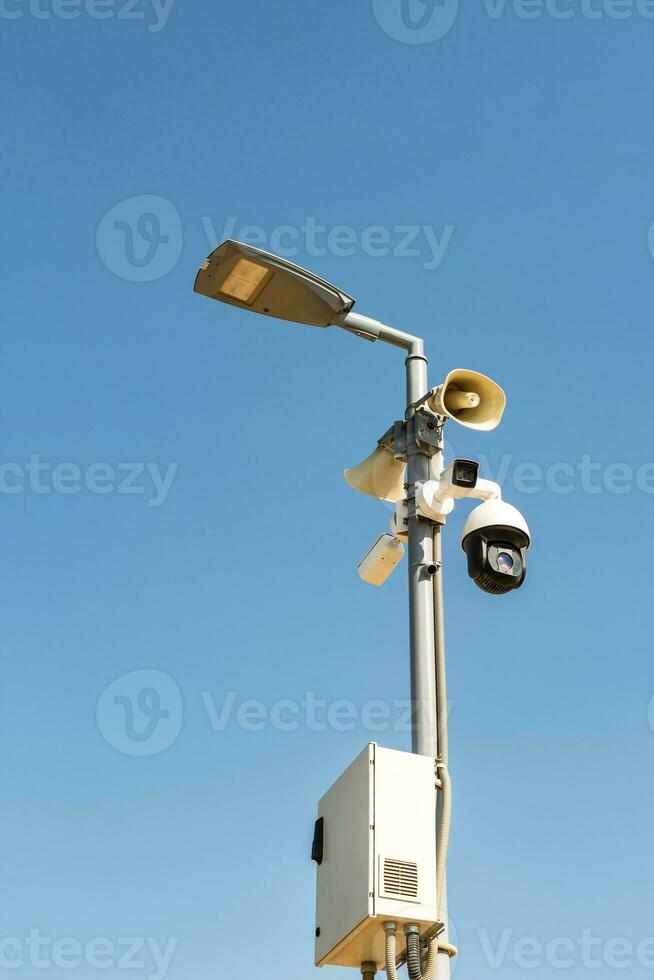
x,y
401,879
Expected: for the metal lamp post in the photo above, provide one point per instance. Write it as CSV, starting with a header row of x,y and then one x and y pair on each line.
x,y
251,279
254,280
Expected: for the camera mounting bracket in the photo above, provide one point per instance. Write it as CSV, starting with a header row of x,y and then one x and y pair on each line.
x,y
435,499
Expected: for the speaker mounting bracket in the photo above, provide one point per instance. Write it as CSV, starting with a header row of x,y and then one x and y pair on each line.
x,y
424,429
398,440
428,430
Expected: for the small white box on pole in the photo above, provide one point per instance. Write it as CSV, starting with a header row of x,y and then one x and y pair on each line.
x,y
375,846
384,556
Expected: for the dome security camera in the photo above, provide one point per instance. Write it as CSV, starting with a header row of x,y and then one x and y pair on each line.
x,y
496,538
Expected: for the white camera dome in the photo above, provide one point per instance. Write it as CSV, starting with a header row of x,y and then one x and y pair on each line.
x,y
495,513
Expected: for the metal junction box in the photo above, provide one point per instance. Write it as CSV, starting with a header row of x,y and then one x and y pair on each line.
x,y
375,846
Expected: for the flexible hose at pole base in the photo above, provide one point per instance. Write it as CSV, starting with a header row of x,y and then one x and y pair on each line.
x,y
436,946
391,950
432,960
413,953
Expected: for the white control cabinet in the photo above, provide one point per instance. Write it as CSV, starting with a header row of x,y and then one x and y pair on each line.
x,y
375,846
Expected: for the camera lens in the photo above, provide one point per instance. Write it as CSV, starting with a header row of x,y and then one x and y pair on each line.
x,y
505,561
496,563
465,473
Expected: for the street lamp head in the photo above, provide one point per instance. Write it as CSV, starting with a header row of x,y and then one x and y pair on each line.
x,y
254,280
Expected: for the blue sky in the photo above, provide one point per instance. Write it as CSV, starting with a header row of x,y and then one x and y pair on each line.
x,y
175,527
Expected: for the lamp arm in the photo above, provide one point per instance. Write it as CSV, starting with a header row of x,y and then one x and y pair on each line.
x,y
369,329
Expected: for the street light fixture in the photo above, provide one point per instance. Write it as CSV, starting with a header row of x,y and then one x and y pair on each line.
x,y
263,283
405,468
254,280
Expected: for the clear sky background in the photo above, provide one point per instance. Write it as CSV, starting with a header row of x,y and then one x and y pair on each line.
x,y
521,139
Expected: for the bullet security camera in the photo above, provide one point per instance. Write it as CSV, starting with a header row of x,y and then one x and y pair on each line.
x,y
495,539
462,473
382,559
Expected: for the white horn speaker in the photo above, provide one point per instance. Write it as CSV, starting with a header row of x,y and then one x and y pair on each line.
x,y
471,399
381,475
